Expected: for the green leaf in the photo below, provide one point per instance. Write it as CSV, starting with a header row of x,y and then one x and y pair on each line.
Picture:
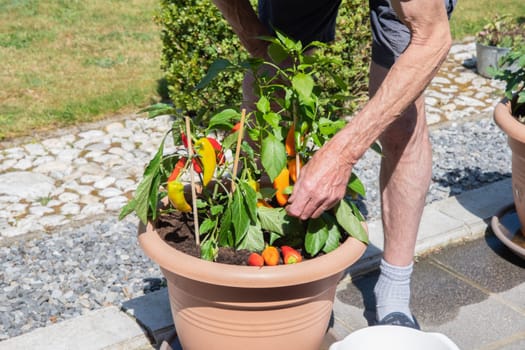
x,y
334,236
273,156
263,104
303,84
157,109
215,68
145,191
357,212
250,200
272,219
277,53
216,209
206,226
288,43
153,195
253,240
356,185
316,236
521,97
224,119
349,222
208,250
272,119
240,216
273,237
329,127
288,189
127,209
225,233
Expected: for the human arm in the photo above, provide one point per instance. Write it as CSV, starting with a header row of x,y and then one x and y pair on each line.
x,y
245,23
323,180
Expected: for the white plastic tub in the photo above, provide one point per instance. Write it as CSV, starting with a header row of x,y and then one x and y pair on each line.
x,y
394,338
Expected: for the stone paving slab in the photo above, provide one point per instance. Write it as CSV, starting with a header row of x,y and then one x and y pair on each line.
x,y
96,330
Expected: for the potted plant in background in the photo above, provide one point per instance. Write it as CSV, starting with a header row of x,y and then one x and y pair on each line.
x,y
509,115
495,40
223,190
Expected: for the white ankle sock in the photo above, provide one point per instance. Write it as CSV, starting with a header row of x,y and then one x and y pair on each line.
x,y
392,290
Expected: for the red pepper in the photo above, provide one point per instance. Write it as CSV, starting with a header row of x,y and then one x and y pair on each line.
x,y
196,164
176,170
290,255
255,260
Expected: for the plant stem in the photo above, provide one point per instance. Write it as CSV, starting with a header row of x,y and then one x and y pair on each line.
x,y
238,149
193,192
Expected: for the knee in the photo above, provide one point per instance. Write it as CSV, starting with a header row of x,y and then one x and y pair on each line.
x,y
408,132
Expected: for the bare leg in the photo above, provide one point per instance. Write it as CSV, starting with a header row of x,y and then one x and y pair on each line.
x,y
404,180
406,171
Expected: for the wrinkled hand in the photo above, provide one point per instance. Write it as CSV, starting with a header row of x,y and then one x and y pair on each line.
x,y
321,183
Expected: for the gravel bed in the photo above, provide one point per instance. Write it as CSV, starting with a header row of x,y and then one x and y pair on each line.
x,y
60,276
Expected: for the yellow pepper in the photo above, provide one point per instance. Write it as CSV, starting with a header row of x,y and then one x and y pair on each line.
x,y
206,153
176,196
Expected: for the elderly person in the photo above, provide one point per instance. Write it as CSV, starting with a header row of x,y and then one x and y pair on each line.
x,y
411,38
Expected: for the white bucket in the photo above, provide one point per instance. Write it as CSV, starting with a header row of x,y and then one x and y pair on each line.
x,y
394,338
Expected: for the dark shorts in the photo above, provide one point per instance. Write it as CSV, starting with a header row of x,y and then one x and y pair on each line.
x,y
390,37
309,20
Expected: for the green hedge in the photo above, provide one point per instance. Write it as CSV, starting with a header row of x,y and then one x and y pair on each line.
x,y
194,34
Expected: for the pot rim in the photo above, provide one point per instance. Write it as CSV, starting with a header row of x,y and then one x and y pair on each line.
x,y
507,122
191,267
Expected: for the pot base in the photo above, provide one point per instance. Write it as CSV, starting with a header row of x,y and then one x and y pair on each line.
x,y
507,228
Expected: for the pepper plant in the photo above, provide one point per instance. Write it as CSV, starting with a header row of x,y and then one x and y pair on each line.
x,y
512,72
242,203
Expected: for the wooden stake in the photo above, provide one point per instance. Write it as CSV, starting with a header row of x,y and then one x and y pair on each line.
x,y
297,156
238,149
192,179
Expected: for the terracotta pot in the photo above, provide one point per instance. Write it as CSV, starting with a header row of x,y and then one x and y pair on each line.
x,y
219,306
516,138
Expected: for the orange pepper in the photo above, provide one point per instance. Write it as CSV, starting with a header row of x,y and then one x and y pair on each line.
x,y
270,255
292,168
280,183
263,203
290,142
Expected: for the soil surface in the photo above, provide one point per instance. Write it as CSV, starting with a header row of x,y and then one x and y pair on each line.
x,y
177,230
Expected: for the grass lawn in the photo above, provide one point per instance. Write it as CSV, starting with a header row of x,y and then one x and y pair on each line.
x,y
471,15
66,62
69,61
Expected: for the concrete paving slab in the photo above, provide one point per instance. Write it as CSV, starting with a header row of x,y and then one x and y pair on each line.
x,y
93,331
438,229
482,203
514,342
515,297
479,326
486,262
